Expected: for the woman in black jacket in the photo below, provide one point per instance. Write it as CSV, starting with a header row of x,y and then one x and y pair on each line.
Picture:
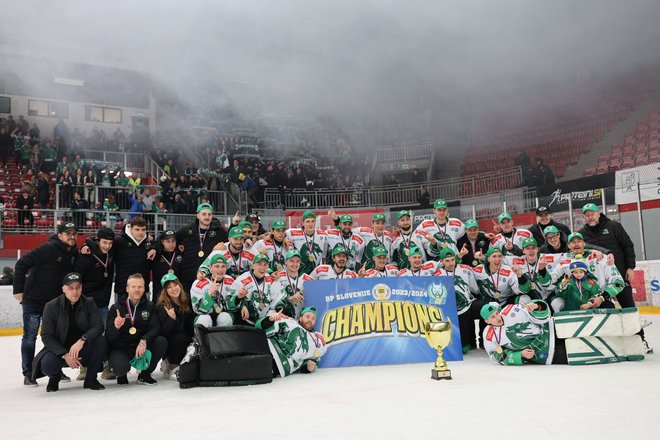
x,y
176,320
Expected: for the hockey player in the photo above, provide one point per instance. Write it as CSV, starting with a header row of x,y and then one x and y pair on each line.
x,y
238,257
208,295
417,266
345,236
405,239
311,243
251,292
442,231
498,281
535,268
375,237
381,268
288,288
605,274
295,345
509,240
274,245
338,268
578,292
465,288
522,333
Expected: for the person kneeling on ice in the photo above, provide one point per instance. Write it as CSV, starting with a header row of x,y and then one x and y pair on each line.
x,y
71,331
522,333
295,345
579,292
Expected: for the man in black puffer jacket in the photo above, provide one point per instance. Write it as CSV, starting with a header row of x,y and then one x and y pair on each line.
x,y
600,230
543,220
134,253
97,269
196,241
37,280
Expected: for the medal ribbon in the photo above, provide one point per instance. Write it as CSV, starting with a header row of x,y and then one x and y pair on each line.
x,y
495,286
237,264
278,255
293,288
131,313
443,231
310,248
105,265
201,238
533,272
171,262
256,284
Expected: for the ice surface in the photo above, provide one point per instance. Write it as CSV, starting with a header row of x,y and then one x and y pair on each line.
x,y
484,400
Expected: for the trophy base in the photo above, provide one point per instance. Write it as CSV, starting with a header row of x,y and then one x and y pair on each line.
x,y
440,374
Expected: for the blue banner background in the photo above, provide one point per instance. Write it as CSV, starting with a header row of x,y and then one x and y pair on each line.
x,y
385,348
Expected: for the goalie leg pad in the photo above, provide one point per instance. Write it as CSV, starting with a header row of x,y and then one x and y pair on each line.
x,y
604,349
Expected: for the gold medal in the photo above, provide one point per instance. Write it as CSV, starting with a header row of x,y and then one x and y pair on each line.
x,y
497,294
407,252
200,254
105,274
317,353
279,267
170,271
443,244
475,262
311,257
261,306
217,308
499,349
534,286
132,330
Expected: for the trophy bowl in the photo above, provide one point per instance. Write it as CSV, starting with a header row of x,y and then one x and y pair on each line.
x,y
438,336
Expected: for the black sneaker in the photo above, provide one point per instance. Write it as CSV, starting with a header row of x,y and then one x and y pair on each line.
x,y
122,380
64,378
28,382
146,379
93,384
53,384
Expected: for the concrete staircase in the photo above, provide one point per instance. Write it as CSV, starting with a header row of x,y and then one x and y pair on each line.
x,y
616,135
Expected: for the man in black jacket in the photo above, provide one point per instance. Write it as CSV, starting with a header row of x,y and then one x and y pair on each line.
x,y
131,329
37,279
543,220
71,333
196,241
134,253
600,230
473,241
168,260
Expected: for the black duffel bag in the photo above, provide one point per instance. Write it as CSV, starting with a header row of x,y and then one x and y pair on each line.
x,y
225,356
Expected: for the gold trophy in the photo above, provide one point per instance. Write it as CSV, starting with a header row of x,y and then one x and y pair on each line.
x,y
438,335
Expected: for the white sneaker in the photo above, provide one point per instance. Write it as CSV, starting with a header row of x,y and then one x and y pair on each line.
x,y
174,374
165,368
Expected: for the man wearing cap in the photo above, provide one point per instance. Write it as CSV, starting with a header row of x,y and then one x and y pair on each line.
x,y
250,294
375,237
497,281
248,239
520,334
336,270
274,245
168,258
132,329
610,281
37,279
209,295
466,290
257,228
405,239
418,268
509,240
544,220
535,268
555,243
345,237
312,243
380,268
288,289
97,269
237,256
474,242
71,333
442,231
196,241
295,345
600,230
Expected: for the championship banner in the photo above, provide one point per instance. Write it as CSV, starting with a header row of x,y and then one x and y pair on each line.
x,y
376,321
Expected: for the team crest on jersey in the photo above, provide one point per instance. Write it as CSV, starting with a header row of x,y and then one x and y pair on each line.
x,y
381,292
437,293
179,258
211,233
145,315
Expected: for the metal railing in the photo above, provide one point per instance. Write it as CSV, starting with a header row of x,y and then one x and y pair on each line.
x,y
46,221
128,161
405,152
407,194
93,194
